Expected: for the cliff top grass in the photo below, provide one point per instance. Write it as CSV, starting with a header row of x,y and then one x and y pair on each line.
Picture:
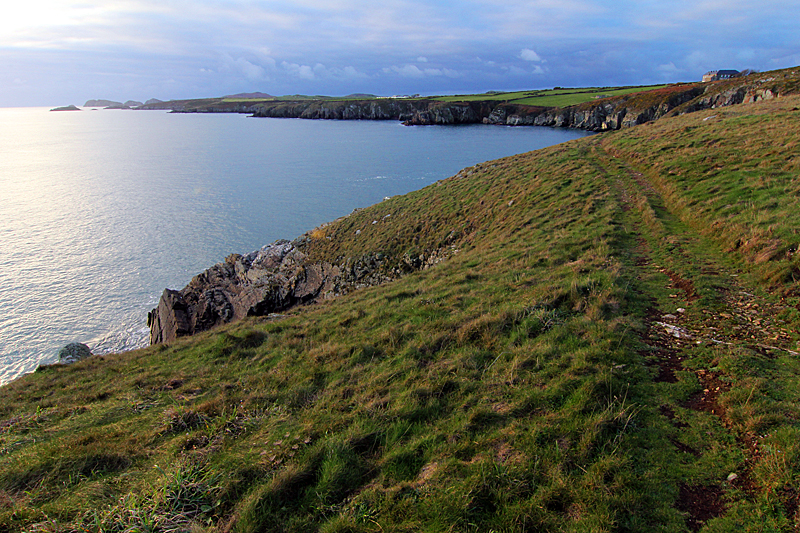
x,y
557,97
611,345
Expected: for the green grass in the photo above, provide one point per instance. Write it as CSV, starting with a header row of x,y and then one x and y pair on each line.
x,y
297,98
522,384
552,97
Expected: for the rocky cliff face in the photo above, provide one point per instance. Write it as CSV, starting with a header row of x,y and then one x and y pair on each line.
x,y
601,115
275,278
417,112
604,115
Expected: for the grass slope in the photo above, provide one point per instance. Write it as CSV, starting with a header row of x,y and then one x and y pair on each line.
x,y
611,346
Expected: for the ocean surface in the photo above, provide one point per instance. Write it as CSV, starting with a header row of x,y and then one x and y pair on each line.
x,y
100,210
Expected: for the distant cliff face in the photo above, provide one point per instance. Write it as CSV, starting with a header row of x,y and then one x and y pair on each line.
x,y
606,114
412,112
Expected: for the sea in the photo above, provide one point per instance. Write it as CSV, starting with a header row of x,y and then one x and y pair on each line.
x,y
100,210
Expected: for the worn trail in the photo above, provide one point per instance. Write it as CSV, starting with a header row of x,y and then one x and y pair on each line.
x,y
697,303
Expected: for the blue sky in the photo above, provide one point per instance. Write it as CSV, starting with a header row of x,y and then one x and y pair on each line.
x,y
58,52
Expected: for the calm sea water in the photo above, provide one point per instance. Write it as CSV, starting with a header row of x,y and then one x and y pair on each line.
x,y
101,210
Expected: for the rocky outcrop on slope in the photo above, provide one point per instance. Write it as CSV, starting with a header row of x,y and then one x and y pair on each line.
x,y
756,88
275,278
606,114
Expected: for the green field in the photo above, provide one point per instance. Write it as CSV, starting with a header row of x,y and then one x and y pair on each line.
x,y
553,97
545,98
610,345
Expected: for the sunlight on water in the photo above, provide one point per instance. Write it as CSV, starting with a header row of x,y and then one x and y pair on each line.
x,y
102,210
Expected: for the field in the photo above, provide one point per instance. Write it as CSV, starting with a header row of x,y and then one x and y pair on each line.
x,y
557,97
611,344
546,98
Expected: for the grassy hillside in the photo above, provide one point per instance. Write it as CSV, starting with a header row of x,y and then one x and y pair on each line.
x,y
610,346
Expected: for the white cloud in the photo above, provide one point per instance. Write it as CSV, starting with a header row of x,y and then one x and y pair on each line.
x,y
669,69
529,55
251,71
352,73
413,71
422,59
408,71
304,72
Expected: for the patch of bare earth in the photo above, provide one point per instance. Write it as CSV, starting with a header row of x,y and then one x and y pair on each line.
x,y
701,504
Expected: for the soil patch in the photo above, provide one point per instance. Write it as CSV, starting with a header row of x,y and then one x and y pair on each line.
x,y
701,503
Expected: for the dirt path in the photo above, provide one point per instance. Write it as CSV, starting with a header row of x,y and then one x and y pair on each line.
x,y
696,302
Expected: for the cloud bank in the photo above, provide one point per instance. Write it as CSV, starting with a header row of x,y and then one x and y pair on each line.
x,y
65,51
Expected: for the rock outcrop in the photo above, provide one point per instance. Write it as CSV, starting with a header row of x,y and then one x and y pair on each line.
x,y
73,352
269,280
606,114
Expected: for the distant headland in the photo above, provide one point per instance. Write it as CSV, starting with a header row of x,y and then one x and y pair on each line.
x,y
592,108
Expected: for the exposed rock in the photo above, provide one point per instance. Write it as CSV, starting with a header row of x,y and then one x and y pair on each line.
x,y
132,103
73,352
153,101
66,108
602,115
269,280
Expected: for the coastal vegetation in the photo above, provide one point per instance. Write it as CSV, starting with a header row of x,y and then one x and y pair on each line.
x,y
610,345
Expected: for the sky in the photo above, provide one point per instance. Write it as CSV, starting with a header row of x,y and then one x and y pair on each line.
x,y
60,52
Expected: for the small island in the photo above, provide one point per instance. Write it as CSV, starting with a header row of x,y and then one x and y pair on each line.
x,y
66,108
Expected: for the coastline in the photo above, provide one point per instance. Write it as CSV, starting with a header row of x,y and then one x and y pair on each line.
x,y
602,114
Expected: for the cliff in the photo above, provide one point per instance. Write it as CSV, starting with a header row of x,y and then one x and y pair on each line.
x,y
639,108
605,114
